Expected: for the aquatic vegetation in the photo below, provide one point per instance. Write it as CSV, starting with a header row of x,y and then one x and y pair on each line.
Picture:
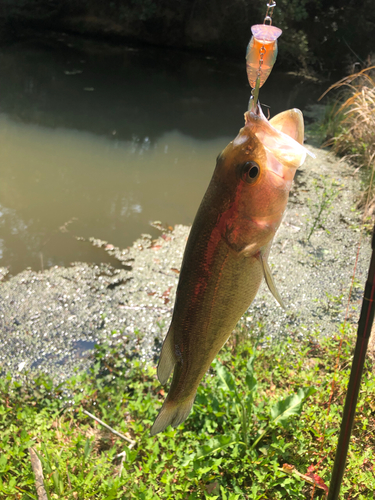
x,y
81,459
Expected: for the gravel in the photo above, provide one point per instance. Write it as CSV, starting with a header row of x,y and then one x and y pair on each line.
x,y
50,320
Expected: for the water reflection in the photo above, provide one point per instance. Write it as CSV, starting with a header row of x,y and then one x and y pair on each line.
x,y
126,91
98,141
56,184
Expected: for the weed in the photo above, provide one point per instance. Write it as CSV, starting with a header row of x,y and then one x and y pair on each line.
x,y
325,193
350,123
243,410
252,432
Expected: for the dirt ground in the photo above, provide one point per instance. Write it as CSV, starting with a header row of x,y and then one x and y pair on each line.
x,y
51,320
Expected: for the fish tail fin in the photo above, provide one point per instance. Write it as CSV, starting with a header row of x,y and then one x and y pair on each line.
x,y
173,414
167,358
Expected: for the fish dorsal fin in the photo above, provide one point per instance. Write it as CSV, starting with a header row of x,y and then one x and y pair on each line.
x,y
269,280
167,358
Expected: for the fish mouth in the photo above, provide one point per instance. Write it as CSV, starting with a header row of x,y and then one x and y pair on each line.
x,y
289,122
282,136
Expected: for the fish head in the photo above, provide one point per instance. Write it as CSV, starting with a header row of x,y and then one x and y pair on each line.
x,y
256,171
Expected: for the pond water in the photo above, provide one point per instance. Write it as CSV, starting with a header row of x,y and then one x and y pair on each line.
x,y
98,140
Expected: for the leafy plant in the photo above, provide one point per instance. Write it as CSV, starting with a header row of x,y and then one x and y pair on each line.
x,y
243,409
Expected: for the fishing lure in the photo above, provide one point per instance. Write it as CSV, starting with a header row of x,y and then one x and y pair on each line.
x,y
261,53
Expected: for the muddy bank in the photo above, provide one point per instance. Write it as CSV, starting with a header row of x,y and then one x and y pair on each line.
x,y
50,320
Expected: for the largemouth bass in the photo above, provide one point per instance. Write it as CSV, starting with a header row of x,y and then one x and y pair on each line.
x,y
226,253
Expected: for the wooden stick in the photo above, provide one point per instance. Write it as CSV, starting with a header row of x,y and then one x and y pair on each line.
x,y
132,443
38,473
122,455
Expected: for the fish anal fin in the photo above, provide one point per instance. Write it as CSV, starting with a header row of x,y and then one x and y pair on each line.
x,y
172,414
167,358
269,280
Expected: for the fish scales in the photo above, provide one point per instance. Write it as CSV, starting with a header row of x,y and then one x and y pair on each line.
x,y
226,253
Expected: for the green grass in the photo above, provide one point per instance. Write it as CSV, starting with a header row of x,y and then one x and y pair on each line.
x,y
263,406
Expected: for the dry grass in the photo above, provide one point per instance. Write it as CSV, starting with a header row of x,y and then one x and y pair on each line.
x,y
350,127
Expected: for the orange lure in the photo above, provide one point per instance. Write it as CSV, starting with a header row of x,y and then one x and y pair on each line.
x,y
261,52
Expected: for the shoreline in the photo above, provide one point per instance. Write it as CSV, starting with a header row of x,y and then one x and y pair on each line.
x,y
50,320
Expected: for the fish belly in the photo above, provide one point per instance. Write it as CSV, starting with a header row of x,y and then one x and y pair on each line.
x,y
206,312
213,293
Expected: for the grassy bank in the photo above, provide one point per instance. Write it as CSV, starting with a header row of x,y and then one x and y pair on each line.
x,y
349,127
260,423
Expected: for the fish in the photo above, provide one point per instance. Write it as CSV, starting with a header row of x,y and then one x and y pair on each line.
x,y
226,254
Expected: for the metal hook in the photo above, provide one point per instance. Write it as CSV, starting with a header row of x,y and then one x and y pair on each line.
x,y
255,94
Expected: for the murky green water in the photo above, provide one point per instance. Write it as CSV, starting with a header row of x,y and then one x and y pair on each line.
x,y
99,141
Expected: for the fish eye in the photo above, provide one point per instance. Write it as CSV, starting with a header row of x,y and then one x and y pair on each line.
x,y
250,172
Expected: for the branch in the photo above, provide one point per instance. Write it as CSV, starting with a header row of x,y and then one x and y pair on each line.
x,y
122,455
38,472
132,443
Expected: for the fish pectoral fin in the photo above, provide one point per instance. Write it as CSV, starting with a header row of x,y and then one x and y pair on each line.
x,y
173,414
269,280
167,358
